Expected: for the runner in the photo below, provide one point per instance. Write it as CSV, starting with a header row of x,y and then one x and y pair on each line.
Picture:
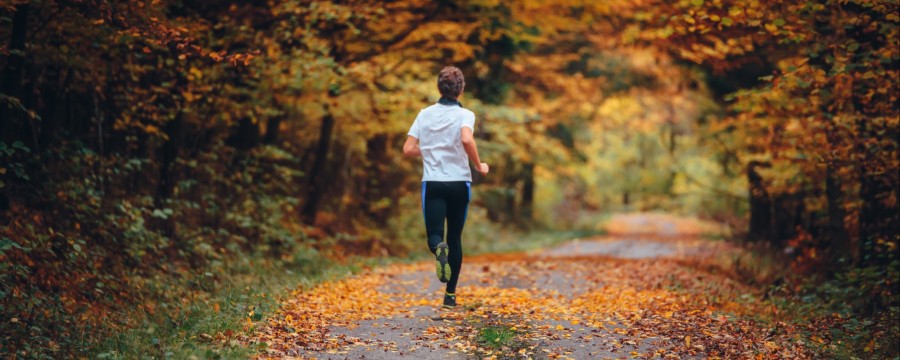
x,y
442,136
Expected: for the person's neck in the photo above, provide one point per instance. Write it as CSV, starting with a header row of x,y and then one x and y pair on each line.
x,y
449,101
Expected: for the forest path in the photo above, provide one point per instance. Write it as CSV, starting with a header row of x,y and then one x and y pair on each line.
x,y
647,290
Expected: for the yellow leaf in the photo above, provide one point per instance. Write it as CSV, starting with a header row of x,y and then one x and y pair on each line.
x,y
687,341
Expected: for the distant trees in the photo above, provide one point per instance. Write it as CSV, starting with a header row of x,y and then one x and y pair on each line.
x,y
819,134
194,130
813,117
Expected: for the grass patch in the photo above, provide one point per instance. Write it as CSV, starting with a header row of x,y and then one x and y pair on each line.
x,y
204,315
499,340
497,336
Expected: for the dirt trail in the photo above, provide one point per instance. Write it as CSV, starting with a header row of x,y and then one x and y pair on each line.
x,y
641,292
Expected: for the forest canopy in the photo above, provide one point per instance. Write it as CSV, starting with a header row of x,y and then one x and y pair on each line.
x,y
147,139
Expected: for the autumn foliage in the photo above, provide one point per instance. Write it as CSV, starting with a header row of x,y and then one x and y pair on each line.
x,y
142,141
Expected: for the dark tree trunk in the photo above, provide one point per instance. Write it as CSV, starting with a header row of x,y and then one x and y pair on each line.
x,y
316,175
175,132
838,238
376,184
272,129
500,201
510,179
54,114
11,128
12,75
509,200
877,218
760,204
175,137
867,217
788,212
525,208
673,134
246,136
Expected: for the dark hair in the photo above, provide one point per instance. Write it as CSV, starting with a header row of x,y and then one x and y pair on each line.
x,y
451,82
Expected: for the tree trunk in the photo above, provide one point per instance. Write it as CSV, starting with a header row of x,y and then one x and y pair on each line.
x,y
672,138
54,115
838,238
12,75
11,85
877,219
175,132
316,183
525,208
376,185
175,138
272,128
246,136
760,204
510,178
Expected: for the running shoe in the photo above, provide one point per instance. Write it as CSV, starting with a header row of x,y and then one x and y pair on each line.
x,y
449,301
442,266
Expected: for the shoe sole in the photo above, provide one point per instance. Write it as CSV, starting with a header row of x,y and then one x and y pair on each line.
x,y
449,306
442,268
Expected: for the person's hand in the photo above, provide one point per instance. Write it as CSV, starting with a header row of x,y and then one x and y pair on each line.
x,y
483,169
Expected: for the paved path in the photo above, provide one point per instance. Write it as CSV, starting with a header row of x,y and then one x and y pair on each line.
x,y
640,292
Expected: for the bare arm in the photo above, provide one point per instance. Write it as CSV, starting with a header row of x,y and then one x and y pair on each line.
x,y
411,147
468,141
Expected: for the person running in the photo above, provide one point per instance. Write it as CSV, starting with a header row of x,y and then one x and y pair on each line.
x,y
442,135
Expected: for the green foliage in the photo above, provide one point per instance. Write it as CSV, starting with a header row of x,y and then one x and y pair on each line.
x,y
126,236
213,321
859,306
854,307
10,157
496,336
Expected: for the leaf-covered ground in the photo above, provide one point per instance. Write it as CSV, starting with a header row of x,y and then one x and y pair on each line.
x,y
647,291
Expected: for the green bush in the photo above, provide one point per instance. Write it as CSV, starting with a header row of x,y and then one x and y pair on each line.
x,y
74,268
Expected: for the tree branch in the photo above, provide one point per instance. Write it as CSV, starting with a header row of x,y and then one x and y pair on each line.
x,y
397,39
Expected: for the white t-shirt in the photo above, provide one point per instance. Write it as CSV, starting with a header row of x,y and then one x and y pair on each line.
x,y
438,129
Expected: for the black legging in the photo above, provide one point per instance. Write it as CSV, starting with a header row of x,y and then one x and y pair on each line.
x,y
446,200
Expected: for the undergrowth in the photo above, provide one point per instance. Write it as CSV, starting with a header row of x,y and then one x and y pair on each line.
x,y
850,313
210,321
499,340
496,336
